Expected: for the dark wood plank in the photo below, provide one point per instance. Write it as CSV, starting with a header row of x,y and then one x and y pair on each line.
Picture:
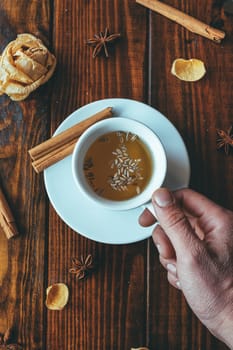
x,y
126,302
108,310
196,109
23,124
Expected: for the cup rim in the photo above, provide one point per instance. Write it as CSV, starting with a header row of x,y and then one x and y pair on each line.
x,y
119,124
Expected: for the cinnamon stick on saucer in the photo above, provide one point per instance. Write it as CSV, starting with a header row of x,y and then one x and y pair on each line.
x,y
7,221
187,21
54,156
61,145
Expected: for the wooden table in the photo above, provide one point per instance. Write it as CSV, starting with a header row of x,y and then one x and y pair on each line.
x,y
127,301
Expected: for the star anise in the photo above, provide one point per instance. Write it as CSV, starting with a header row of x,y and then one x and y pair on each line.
x,y
82,267
5,340
225,139
101,41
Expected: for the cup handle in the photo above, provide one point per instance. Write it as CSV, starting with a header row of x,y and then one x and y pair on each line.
x,y
150,207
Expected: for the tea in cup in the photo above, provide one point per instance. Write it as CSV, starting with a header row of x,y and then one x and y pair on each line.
x,y
118,163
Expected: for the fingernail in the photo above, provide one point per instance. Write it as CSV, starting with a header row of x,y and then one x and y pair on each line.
x,y
178,284
159,248
171,268
162,197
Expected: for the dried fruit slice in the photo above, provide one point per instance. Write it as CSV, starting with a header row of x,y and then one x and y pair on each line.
x,y
57,296
188,70
25,64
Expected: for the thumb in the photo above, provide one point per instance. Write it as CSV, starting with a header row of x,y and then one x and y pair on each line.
x,y
174,222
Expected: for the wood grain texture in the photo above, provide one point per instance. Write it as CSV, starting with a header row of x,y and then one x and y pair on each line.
x,y
23,124
126,302
102,313
196,109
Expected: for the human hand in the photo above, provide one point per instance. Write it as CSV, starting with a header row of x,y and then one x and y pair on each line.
x,y
195,241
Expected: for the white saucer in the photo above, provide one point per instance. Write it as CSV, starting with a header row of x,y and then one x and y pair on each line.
x,y
93,221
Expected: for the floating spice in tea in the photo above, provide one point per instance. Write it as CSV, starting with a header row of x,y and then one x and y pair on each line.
x,y
118,165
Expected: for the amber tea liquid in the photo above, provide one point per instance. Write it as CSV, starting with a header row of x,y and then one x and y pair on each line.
x,y
118,166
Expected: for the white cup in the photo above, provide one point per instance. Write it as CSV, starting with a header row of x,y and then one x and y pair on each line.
x,y
149,139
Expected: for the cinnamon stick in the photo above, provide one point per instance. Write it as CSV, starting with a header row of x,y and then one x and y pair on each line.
x,y
187,21
7,221
61,145
54,156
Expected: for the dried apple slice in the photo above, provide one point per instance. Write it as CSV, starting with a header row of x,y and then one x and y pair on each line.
x,y
188,70
57,296
25,64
